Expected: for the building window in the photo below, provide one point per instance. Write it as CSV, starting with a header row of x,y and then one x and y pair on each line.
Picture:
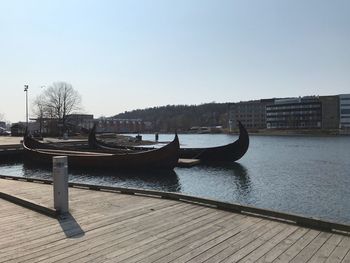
x,y
345,111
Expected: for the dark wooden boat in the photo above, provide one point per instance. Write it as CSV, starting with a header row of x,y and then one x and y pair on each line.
x,y
162,158
226,153
99,145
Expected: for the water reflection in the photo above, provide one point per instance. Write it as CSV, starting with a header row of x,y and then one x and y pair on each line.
x,y
204,180
5,161
238,172
157,180
235,167
242,182
238,178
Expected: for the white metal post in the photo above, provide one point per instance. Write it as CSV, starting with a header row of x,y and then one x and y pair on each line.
x,y
60,184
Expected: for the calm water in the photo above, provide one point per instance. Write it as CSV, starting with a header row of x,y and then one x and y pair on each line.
x,y
303,175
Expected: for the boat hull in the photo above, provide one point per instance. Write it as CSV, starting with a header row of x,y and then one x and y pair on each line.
x,y
226,153
162,158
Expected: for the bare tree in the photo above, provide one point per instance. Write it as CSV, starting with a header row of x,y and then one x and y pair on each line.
x,y
39,110
4,123
57,102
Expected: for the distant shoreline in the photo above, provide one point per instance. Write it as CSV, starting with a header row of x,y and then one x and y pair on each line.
x,y
311,133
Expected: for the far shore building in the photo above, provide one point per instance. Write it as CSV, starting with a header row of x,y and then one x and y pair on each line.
x,y
330,112
294,113
252,114
344,107
115,125
75,123
82,123
78,122
18,129
3,124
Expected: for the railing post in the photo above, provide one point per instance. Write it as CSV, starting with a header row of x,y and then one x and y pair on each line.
x,y
60,184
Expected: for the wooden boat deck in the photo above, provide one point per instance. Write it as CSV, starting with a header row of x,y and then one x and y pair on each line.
x,y
110,227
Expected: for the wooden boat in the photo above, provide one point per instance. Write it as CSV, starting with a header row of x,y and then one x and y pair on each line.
x,y
226,153
99,145
162,158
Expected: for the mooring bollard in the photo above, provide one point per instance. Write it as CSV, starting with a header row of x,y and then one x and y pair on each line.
x,y
60,184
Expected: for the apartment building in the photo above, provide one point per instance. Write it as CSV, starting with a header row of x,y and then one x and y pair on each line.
x,y
252,113
344,108
294,113
120,125
330,111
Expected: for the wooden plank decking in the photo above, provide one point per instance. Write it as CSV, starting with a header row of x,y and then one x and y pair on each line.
x,y
112,227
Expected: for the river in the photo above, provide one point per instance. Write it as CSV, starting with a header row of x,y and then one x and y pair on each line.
x,y
297,174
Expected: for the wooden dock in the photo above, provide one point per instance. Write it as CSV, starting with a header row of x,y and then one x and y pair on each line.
x,y
106,226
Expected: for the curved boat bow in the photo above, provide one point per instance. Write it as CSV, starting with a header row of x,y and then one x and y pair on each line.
x,y
226,153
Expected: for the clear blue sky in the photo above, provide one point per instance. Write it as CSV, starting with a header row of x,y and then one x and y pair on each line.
x,y
123,55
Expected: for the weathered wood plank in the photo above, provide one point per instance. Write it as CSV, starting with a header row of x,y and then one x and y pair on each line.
x,y
226,231
325,251
135,228
107,251
340,251
141,206
46,235
292,251
282,246
239,251
299,220
58,235
311,248
174,241
98,231
346,259
153,253
102,235
267,246
223,248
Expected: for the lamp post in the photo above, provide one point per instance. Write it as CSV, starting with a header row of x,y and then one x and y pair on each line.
x,y
26,91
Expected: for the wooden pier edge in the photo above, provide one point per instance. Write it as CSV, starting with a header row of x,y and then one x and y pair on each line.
x,y
309,222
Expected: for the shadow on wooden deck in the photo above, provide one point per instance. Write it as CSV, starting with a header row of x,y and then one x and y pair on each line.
x,y
70,226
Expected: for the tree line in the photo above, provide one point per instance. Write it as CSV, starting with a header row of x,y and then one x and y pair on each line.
x,y
181,117
59,100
